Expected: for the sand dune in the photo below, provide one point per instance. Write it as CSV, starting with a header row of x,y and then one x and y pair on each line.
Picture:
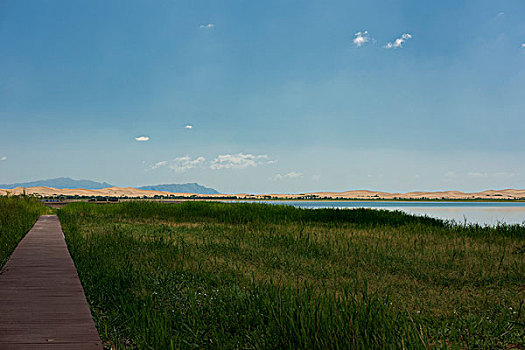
x,y
356,194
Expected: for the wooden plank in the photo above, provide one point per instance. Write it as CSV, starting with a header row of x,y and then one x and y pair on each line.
x,y
42,302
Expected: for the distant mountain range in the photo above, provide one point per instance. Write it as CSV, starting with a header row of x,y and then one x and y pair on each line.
x,y
60,183
66,182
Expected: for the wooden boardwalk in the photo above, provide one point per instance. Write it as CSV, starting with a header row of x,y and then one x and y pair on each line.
x,y
42,303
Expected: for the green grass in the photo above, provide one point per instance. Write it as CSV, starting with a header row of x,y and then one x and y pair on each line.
x,y
17,215
223,276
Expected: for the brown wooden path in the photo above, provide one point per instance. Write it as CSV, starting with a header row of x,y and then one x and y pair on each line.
x,y
42,303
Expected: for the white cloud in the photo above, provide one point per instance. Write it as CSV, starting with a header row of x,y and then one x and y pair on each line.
x,y
188,126
238,161
398,43
523,46
207,26
224,161
290,175
361,38
182,164
159,164
3,158
142,138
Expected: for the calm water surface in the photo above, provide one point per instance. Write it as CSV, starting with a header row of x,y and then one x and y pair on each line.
x,y
483,213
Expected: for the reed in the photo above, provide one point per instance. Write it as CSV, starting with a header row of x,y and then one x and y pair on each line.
x,y
222,276
17,215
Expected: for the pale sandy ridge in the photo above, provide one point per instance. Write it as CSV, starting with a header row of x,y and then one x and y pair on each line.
x,y
355,194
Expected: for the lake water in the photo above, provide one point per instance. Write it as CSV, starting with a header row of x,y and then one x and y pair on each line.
x,y
483,213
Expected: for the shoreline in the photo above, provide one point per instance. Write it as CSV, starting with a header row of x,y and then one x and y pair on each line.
x,y
353,195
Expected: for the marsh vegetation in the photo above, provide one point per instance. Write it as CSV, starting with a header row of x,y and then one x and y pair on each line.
x,y
17,216
218,275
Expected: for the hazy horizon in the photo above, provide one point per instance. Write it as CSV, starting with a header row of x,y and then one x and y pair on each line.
x,y
256,193
276,96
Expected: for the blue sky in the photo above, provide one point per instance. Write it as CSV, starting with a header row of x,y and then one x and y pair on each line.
x,y
281,96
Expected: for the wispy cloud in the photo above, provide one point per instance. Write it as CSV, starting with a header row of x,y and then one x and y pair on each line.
x,y
290,175
182,164
477,174
398,43
159,164
223,161
361,38
188,126
207,26
142,138
3,158
238,161
498,17
523,45
502,174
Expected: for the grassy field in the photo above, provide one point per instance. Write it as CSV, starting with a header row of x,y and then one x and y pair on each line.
x,y
215,275
17,215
